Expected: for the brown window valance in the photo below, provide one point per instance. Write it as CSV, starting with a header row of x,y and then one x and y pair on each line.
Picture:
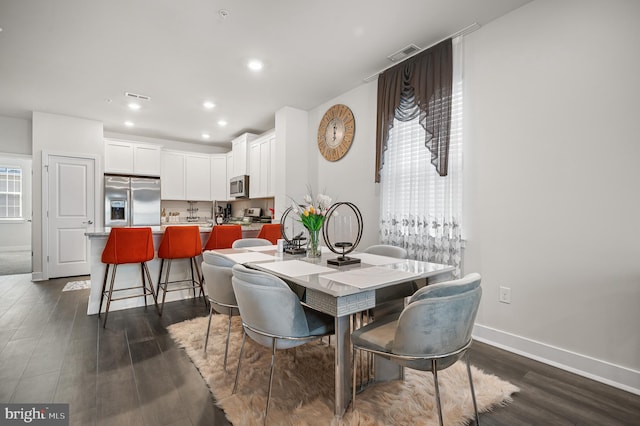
x,y
420,86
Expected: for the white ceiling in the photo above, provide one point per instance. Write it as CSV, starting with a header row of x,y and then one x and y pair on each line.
x,y
71,56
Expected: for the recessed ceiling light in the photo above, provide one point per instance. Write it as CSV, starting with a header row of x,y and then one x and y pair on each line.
x,y
255,65
134,106
208,105
128,123
206,136
222,123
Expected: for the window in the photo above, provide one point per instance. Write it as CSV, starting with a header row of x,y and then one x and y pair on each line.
x,y
421,210
10,192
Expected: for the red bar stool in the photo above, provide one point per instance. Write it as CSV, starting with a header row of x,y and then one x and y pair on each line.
x,y
127,246
180,242
271,232
223,236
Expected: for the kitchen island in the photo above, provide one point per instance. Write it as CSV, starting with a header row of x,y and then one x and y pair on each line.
x,y
129,275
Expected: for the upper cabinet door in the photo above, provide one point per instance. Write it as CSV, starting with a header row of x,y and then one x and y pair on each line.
x,y
198,177
240,149
146,160
261,170
219,181
172,181
118,157
130,158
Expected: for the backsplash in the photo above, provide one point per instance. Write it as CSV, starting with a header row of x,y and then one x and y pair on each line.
x,y
206,209
180,209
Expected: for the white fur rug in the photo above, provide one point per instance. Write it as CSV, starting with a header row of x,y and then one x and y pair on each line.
x,y
77,285
302,392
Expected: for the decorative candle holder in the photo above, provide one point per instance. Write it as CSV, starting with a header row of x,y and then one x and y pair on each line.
x,y
293,241
338,227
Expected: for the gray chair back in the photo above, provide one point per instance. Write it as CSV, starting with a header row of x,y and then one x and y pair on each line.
x,y
217,273
387,250
267,304
389,300
438,320
250,242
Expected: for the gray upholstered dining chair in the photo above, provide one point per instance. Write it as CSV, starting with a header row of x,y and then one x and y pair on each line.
x,y
250,242
216,270
431,334
391,299
273,316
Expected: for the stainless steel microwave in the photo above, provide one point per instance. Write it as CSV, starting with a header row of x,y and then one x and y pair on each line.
x,y
239,187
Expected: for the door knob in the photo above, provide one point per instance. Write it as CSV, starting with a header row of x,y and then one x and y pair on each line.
x,y
90,222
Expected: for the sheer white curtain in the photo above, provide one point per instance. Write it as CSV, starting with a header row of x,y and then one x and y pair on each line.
x,y
420,210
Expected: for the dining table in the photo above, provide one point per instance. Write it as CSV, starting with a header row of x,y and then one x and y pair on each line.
x,y
340,291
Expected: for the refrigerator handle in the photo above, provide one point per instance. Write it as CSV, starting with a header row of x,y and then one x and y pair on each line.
x,y
129,208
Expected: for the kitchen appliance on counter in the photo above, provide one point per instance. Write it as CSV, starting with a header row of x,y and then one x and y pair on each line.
x,y
239,186
253,213
131,201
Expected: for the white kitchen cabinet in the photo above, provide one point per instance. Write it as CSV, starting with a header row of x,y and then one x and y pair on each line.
x,y
146,160
261,168
172,180
198,177
240,149
219,181
132,158
230,174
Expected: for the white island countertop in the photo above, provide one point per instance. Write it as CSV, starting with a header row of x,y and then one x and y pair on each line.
x,y
204,228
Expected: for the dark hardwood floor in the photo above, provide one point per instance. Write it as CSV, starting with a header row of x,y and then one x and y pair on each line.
x,y
132,373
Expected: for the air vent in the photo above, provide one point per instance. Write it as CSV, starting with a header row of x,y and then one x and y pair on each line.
x,y
403,53
137,96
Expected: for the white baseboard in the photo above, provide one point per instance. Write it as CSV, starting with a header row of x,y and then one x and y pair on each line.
x,y
601,371
15,248
37,276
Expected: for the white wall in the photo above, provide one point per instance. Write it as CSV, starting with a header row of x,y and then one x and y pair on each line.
x,y
60,134
15,135
15,148
552,204
551,195
352,177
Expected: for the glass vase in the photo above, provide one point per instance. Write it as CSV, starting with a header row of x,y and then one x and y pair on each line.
x,y
313,246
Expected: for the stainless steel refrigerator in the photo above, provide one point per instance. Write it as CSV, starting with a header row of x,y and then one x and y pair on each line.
x,y
131,201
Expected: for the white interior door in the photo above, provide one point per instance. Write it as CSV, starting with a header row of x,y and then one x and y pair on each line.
x,y
70,213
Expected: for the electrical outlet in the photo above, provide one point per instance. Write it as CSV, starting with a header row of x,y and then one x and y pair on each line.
x,y
505,295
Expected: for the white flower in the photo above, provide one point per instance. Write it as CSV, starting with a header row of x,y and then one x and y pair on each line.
x,y
308,199
324,201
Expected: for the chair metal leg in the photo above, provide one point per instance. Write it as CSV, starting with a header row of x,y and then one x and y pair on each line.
x,y
473,393
113,279
435,382
144,285
353,385
273,359
200,282
226,346
193,281
206,338
235,382
165,286
153,294
159,277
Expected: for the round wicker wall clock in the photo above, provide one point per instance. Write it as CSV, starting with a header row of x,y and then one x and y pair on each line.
x,y
336,131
